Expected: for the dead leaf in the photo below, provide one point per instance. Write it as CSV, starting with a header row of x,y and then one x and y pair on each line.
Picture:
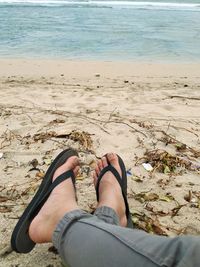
x,y
44,136
180,146
40,174
142,197
165,198
80,177
148,224
137,179
166,163
151,197
166,170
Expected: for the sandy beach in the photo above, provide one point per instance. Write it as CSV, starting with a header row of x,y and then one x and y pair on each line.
x,y
145,112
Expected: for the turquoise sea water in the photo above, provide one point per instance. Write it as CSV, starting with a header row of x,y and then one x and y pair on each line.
x,y
108,30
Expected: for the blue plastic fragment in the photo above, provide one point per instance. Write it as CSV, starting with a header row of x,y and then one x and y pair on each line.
x,y
129,172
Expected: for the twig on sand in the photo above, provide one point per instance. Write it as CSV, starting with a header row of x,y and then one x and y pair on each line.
x,y
195,152
110,116
184,97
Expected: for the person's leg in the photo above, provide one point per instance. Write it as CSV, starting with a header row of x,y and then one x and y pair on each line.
x,y
85,240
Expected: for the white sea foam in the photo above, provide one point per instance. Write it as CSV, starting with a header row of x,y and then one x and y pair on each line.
x,y
119,4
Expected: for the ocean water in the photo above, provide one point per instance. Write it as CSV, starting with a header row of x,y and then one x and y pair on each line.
x,y
163,30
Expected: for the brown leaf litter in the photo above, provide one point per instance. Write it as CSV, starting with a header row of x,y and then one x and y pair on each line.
x,y
82,137
164,162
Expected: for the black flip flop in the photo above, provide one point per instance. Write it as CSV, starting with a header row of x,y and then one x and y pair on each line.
x,y
122,180
20,240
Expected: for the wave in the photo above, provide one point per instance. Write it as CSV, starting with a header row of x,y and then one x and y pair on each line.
x,y
111,4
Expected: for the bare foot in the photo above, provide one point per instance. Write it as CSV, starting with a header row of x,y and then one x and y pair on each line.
x,y
61,200
110,193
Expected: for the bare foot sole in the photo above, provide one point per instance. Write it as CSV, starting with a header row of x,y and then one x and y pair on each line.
x,y
61,200
110,193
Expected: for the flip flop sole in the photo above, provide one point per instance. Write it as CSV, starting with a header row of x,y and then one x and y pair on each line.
x,y
20,240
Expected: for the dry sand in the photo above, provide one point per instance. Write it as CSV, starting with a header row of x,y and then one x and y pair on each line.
x,y
144,112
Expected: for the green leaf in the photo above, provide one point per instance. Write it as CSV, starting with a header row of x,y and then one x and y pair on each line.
x,y
166,170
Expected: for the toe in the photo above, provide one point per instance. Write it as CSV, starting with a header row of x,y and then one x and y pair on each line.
x,y
100,164
104,162
113,159
70,164
97,170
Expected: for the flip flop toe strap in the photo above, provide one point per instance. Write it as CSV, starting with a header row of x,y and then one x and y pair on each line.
x,y
64,176
118,178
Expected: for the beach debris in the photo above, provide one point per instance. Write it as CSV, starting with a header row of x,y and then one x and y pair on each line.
x,y
40,174
136,179
184,97
8,136
191,198
47,161
34,163
1,155
97,75
128,172
166,163
4,198
188,197
53,250
166,198
143,197
180,147
82,137
148,224
44,136
80,177
147,166
56,121
5,208
174,211
152,209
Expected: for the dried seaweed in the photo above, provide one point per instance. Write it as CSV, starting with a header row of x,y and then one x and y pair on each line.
x,y
164,162
7,137
44,136
83,138
148,224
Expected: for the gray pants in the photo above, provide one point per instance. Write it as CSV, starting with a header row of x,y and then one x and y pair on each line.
x,y
85,240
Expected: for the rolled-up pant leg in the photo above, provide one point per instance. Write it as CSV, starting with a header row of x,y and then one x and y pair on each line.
x,y
85,240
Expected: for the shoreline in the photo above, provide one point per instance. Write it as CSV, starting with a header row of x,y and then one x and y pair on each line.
x,y
83,68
